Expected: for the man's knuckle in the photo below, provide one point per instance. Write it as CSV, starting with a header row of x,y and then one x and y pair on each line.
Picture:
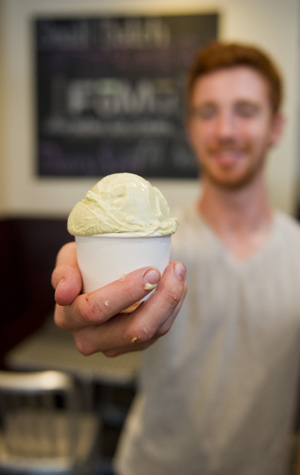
x,y
59,319
92,312
163,330
83,346
172,297
137,334
160,333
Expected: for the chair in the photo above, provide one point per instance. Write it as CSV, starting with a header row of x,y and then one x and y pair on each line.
x,y
43,427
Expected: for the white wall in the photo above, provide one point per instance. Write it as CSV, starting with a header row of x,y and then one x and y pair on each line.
x,y
2,116
271,24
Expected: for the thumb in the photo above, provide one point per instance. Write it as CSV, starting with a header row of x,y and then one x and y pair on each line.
x,y
66,277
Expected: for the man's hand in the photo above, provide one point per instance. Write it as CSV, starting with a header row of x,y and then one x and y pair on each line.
x,y
95,319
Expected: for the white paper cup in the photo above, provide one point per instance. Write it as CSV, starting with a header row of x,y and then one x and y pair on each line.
x,y
104,258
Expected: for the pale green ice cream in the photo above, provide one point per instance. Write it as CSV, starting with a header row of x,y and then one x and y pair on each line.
x,y
122,203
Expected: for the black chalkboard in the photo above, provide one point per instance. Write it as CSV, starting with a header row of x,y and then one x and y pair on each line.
x,y
110,94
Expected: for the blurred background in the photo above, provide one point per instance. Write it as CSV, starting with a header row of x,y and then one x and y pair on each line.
x,y
35,202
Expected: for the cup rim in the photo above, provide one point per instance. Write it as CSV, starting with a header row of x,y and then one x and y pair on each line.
x,y
123,235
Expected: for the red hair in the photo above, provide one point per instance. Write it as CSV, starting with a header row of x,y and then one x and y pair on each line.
x,y
219,55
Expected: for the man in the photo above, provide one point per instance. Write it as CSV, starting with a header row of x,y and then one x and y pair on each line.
x,y
217,393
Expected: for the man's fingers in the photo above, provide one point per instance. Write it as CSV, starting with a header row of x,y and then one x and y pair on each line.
x,y
136,331
66,277
164,305
97,307
165,327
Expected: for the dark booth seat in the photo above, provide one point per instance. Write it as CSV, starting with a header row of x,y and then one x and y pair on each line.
x,y
28,249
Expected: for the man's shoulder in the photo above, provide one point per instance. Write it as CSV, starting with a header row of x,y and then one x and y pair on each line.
x,y
288,226
288,222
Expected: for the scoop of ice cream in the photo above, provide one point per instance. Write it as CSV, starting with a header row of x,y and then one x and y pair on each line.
x,y
122,203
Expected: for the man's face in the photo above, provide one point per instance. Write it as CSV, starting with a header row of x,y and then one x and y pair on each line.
x,y
231,125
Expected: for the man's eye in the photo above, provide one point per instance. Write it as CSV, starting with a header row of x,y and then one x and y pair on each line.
x,y
205,112
247,110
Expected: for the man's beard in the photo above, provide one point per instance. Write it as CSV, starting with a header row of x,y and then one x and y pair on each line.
x,y
234,184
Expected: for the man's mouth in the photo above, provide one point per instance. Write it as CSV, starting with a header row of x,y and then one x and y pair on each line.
x,y
227,158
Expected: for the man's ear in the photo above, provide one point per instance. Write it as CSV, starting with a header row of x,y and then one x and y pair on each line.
x,y
278,123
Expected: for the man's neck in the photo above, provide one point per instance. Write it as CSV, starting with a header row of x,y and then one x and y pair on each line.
x,y
240,218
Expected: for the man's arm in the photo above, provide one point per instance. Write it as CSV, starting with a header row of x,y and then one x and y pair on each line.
x,y
95,319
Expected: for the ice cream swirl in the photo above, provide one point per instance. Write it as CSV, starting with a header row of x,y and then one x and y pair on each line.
x,y
122,203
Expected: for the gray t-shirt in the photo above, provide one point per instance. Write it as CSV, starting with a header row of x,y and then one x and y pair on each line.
x,y
217,393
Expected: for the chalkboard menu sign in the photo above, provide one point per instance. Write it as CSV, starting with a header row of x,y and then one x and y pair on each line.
x,y
110,94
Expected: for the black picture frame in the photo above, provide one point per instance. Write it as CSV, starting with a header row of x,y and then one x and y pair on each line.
x,y
110,94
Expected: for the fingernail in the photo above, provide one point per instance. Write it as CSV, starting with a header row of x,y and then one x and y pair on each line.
x,y
180,270
152,277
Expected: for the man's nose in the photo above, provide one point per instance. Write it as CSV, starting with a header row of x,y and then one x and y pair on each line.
x,y
225,126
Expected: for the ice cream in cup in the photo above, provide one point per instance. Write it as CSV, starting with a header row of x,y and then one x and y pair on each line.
x,y
122,224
